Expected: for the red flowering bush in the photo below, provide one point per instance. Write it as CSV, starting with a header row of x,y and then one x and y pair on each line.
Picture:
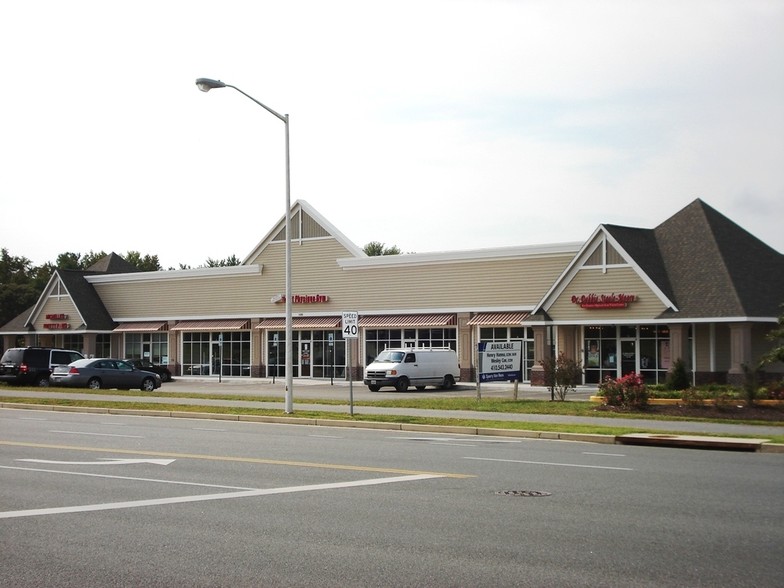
x,y
628,391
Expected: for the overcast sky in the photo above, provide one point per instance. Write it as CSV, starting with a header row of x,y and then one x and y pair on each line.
x,y
430,125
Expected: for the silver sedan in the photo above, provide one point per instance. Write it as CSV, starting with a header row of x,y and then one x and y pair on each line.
x,y
100,373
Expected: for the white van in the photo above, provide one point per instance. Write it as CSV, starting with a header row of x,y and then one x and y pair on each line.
x,y
413,366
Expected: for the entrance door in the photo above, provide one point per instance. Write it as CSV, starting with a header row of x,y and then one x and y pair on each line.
x,y
304,359
628,356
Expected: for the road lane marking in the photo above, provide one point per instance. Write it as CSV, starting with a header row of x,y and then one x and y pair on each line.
x,y
604,454
256,460
547,463
128,478
98,434
206,497
104,461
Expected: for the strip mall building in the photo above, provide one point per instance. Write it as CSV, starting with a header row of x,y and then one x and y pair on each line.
x,y
696,287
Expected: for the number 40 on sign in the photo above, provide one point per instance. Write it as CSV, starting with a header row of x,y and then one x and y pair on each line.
x,y
350,324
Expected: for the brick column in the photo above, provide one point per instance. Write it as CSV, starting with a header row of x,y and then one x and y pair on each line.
x,y
540,353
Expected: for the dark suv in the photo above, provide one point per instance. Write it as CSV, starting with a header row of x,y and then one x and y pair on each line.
x,y
31,366
147,365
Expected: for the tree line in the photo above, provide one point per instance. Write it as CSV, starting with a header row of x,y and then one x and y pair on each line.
x,y
21,281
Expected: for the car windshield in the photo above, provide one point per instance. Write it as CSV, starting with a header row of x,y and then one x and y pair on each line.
x,y
390,357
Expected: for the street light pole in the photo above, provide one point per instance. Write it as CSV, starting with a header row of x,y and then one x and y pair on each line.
x,y
205,85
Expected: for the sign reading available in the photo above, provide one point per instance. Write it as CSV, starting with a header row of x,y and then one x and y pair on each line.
x,y
500,361
604,300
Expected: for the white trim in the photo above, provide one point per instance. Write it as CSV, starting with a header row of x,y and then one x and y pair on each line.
x,y
302,205
654,321
207,272
523,252
54,280
578,264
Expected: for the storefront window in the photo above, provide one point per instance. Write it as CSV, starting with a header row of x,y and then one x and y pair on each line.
x,y
601,353
75,342
655,359
151,346
316,354
103,345
644,349
214,353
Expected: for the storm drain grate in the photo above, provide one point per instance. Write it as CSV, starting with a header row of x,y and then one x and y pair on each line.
x,y
532,493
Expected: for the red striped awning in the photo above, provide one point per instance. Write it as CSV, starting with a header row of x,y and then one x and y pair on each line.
x,y
407,320
140,327
212,325
489,319
302,322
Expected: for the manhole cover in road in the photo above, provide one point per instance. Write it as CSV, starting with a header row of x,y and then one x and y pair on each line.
x,y
522,493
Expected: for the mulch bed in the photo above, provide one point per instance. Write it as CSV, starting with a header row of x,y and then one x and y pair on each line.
x,y
727,412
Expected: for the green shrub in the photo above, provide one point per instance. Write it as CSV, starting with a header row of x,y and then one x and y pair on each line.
x,y
692,396
678,378
561,375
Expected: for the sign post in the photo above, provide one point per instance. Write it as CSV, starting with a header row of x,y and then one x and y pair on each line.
x,y
350,327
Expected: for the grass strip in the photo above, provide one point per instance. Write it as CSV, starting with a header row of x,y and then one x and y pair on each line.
x,y
308,414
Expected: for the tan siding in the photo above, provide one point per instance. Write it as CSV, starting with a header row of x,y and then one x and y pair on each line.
x,y
477,284
616,280
58,305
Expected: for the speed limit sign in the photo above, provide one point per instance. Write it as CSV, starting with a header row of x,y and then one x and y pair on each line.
x,y
350,324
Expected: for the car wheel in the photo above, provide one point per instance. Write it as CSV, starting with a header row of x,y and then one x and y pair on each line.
x,y
148,384
94,384
166,377
402,384
42,381
374,388
449,382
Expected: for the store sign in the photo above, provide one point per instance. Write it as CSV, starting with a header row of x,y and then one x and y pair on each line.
x,y
301,299
56,326
593,301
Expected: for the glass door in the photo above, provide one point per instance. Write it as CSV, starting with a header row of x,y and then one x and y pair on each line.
x,y
628,356
305,359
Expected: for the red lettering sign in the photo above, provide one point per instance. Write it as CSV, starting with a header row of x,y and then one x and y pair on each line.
x,y
302,298
594,301
57,326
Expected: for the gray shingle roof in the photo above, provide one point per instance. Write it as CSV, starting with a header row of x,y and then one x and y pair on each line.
x,y
86,300
708,265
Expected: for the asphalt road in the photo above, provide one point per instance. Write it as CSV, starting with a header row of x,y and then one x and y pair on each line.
x,y
109,500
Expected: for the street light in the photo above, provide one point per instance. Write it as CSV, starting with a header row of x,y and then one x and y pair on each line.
x,y
205,85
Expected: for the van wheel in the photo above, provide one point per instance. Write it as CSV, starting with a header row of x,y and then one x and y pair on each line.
x,y
94,384
402,384
374,388
42,382
449,382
